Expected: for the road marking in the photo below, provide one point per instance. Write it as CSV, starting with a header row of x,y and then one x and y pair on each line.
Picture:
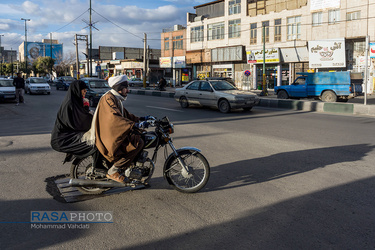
x,y
175,110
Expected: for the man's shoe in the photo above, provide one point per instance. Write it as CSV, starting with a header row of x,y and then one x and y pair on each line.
x,y
17,104
118,178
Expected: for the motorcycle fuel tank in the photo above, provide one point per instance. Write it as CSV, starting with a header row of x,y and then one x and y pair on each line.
x,y
150,139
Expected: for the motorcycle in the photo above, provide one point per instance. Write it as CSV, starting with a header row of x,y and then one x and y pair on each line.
x,y
185,169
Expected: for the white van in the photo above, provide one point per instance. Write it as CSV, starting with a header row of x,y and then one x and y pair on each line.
x,y
7,90
37,85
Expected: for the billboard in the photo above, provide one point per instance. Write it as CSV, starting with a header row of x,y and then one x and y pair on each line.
x,y
256,56
165,62
327,53
179,62
36,49
372,50
318,5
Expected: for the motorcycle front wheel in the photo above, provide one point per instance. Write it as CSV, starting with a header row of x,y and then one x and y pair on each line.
x,y
197,176
83,169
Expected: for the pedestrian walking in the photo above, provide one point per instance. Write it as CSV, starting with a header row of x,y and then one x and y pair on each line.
x,y
19,83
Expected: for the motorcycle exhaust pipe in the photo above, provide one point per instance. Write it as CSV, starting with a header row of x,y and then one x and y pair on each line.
x,y
98,184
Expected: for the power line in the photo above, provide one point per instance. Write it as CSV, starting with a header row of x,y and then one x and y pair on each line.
x,y
118,25
70,22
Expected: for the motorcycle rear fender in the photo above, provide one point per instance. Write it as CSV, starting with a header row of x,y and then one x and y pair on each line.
x,y
172,155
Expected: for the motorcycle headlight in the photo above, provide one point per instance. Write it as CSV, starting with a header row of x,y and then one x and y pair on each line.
x,y
171,129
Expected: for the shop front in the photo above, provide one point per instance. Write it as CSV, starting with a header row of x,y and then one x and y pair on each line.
x,y
222,70
281,67
272,67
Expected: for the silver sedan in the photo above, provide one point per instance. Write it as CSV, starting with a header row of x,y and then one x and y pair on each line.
x,y
215,93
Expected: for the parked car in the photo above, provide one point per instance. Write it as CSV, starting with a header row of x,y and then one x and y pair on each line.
x,y
7,90
63,82
37,85
215,93
228,79
96,88
137,82
48,79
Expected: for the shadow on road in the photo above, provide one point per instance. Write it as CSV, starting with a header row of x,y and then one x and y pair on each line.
x,y
16,235
337,218
281,165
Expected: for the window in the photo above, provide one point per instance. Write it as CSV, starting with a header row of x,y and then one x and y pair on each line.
x,y
353,16
166,43
196,34
300,81
266,25
317,18
205,86
178,42
333,16
253,33
277,30
215,31
234,7
235,28
194,85
294,27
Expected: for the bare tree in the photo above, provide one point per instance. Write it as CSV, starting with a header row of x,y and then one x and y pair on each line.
x,y
63,63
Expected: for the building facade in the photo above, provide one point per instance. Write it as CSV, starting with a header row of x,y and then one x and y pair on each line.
x,y
128,61
226,38
8,56
173,55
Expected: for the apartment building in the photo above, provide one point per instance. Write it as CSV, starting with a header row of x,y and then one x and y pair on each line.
x,y
173,55
226,38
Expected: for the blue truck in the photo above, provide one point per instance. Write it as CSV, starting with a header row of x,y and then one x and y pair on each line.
x,y
327,86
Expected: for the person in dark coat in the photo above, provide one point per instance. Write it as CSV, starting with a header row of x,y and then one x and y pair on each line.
x,y
19,83
162,84
72,121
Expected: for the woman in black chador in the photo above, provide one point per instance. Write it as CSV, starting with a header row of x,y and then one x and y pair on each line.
x,y
72,121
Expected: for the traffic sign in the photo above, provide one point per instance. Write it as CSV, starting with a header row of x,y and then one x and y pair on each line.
x,y
247,73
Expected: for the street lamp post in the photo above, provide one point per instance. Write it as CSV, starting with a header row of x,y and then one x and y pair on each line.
x,y
1,57
25,48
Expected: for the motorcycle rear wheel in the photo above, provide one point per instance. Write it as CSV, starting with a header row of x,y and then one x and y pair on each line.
x,y
199,172
81,170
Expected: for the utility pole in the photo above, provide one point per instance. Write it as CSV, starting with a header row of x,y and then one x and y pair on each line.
x,y
144,59
1,56
264,86
25,48
148,63
77,61
88,57
366,69
50,38
80,38
90,52
11,60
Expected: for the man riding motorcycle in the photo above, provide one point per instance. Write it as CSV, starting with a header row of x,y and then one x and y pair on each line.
x,y
112,129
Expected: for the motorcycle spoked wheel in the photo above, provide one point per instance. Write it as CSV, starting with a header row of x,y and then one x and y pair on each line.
x,y
82,170
197,178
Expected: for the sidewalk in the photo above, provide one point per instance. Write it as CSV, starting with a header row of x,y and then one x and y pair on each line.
x,y
354,106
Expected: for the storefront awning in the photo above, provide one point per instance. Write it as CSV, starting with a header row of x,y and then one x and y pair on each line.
x,y
298,54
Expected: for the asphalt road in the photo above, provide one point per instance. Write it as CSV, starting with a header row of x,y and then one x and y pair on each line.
x,y
280,179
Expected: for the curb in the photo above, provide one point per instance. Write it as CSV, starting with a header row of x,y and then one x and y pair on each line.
x,y
326,107
152,93
310,106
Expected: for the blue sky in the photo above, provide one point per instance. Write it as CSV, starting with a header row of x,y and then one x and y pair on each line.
x,y
120,23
